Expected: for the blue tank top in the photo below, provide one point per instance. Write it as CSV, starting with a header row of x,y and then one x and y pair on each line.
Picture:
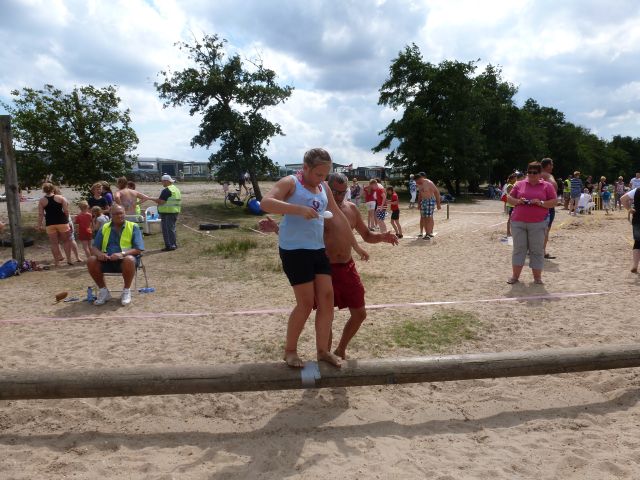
x,y
297,232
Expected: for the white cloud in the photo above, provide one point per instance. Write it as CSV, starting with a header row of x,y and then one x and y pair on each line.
x,y
580,57
597,113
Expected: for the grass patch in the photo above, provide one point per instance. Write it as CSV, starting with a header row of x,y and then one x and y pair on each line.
x,y
445,328
232,248
271,265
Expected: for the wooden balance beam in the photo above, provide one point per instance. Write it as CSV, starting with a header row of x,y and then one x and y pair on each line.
x,y
177,380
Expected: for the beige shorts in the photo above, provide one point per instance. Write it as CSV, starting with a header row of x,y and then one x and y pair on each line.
x,y
60,228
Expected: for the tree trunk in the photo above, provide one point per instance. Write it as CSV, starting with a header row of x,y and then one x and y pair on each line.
x,y
457,187
254,183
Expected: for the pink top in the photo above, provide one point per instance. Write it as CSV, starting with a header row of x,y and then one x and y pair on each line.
x,y
531,213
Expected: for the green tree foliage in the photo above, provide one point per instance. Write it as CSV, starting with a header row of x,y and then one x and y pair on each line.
x,y
81,136
463,127
232,100
448,115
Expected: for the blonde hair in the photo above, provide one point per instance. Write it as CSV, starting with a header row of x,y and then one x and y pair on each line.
x,y
122,182
316,156
96,185
48,188
83,205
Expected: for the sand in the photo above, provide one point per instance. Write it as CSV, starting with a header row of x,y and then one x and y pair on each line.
x,y
570,426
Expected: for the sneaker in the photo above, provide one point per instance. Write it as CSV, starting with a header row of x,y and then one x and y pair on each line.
x,y
103,297
426,237
125,299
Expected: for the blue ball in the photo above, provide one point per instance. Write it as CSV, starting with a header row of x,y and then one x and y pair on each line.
x,y
254,207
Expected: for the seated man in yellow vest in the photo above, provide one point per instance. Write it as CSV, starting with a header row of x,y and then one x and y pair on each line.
x,y
115,250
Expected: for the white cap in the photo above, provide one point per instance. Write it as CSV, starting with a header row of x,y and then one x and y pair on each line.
x,y
167,178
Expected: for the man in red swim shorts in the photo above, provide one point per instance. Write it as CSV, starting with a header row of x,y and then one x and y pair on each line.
x,y
348,290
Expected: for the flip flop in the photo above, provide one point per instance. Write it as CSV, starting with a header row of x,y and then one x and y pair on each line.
x,y
547,255
512,281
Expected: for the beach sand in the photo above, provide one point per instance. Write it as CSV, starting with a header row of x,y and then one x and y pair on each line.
x,y
570,426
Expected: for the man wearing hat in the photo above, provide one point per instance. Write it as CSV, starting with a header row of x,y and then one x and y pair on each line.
x,y
169,208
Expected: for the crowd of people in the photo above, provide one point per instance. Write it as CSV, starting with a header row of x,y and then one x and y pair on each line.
x,y
107,225
320,212
530,204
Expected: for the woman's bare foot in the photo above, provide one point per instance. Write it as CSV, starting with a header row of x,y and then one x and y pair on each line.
x,y
341,353
329,357
292,359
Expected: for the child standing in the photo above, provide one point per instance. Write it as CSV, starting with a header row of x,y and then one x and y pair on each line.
x,y
99,219
606,199
392,199
303,200
511,181
84,220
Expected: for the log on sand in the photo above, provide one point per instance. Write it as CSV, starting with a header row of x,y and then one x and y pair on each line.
x,y
174,380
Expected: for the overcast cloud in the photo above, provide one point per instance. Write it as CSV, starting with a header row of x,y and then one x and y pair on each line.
x,y
581,57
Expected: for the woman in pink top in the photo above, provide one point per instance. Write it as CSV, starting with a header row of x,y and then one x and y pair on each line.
x,y
532,198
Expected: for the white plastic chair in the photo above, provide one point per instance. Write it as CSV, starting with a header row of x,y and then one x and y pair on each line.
x,y
150,216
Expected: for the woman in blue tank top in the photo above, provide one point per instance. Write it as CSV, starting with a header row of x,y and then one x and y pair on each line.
x,y
303,200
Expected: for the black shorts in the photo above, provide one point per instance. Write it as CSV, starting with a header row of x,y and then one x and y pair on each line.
x,y
395,214
636,236
302,265
115,266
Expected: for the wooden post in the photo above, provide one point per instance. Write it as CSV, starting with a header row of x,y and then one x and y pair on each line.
x,y
11,188
173,380
447,210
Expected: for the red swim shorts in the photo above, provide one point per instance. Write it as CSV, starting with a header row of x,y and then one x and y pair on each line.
x,y
348,291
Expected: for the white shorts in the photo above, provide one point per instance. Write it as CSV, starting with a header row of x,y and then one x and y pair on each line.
x,y
371,205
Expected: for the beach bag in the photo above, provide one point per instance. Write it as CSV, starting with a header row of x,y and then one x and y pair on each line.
x,y
8,269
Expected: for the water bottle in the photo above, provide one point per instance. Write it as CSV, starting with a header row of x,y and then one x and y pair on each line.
x,y
89,294
146,290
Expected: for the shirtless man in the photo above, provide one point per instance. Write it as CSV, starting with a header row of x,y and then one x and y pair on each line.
x,y
127,197
348,291
547,168
428,199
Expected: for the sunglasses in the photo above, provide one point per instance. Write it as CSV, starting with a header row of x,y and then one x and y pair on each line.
x,y
338,192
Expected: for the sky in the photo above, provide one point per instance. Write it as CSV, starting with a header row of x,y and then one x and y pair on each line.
x,y
581,57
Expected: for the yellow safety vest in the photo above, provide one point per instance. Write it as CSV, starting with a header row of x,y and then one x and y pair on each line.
x,y
126,238
567,186
172,205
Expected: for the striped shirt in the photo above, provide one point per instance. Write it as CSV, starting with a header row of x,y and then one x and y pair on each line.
x,y
576,187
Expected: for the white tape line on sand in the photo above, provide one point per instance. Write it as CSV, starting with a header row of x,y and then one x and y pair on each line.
x,y
273,311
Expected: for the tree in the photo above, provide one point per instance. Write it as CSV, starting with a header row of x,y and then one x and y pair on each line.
x,y
231,99
447,116
80,136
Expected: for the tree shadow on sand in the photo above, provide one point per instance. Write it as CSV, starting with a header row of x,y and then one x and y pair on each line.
x,y
275,450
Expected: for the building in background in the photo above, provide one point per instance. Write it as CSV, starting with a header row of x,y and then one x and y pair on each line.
x,y
362,173
152,168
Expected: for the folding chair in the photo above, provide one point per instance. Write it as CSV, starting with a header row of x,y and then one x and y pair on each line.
x,y
135,277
